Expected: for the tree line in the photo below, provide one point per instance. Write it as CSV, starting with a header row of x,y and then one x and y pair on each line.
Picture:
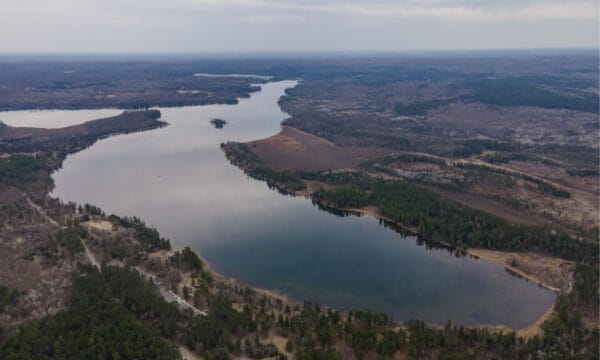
x,y
443,220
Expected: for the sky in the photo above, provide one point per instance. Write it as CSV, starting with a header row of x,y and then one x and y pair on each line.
x,y
163,26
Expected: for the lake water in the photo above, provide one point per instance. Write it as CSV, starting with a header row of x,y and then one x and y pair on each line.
x,y
51,119
177,179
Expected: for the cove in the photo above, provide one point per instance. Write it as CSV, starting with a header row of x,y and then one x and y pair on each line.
x,y
178,180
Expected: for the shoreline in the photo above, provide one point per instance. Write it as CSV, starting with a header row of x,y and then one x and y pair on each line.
x,y
527,331
487,254
373,211
222,278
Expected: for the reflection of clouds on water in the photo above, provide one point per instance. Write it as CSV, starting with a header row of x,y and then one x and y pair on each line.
x,y
177,179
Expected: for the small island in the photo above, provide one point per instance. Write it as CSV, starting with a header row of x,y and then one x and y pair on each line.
x,y
218,123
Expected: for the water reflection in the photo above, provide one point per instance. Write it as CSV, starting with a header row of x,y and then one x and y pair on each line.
x,y
53,118
178,180
335,211
420,240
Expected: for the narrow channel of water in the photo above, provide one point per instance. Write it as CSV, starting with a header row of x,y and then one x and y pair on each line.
x,y
177,179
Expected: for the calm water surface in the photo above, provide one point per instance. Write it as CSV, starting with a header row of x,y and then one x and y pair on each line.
x,y
178,180
53,118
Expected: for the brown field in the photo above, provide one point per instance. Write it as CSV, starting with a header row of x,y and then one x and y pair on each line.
x,y
584,183
581,210
528,125
293,149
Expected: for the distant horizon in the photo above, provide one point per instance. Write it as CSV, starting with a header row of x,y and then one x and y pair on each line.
x,y
299,53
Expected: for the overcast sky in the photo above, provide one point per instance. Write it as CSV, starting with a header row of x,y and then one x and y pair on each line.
x,y
293,25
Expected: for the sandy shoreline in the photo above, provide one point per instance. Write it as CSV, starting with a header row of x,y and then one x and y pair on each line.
x,y
163,254
499,257
496,256
491,255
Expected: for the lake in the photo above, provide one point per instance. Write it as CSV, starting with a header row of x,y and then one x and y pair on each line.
x,y
53,118
177,179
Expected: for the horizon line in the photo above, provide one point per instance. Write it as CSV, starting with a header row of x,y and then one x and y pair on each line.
x,y
296,52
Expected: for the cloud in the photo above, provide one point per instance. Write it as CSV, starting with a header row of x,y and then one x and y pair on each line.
x,y
274,19
472,11
273,25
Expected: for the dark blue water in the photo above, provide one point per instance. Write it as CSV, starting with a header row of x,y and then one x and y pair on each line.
x,y
178,180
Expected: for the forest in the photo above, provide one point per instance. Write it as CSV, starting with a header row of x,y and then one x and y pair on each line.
x,y
148,238
442,220
94,326
115,313
528,91
24,169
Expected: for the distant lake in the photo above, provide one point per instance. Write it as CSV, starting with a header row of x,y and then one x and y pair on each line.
x,y
177,179
51,119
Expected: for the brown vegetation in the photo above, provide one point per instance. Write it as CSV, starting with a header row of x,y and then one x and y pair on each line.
x,y
549,271
31,259
37,257
293,149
